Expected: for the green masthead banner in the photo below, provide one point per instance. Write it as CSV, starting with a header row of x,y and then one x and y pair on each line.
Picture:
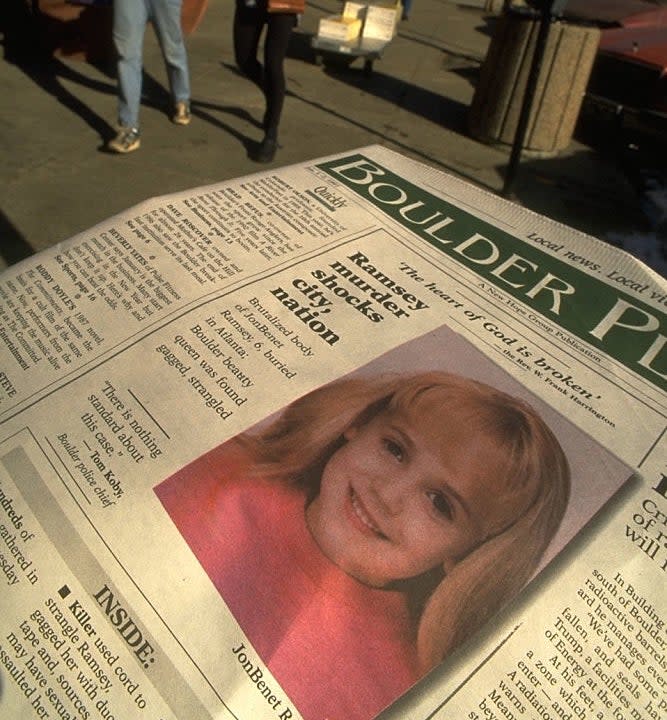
x,y
621,326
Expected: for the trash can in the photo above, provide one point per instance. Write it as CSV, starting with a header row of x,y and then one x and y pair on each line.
x,y
566,67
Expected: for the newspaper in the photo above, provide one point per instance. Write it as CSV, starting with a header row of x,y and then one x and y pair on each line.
x,y
251,461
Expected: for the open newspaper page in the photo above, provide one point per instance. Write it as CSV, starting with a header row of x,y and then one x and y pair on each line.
x,y
344,438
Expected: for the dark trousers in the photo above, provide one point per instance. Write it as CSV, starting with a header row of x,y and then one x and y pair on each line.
x,y
270,76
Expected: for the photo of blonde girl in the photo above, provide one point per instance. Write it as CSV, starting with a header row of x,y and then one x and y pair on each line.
x,y
373,525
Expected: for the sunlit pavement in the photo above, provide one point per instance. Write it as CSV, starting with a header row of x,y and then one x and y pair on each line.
x,y
58,180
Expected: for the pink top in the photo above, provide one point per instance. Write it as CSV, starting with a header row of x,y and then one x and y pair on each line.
x,y
340,649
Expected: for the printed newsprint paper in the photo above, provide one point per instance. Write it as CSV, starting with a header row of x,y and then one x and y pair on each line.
x,y
335,440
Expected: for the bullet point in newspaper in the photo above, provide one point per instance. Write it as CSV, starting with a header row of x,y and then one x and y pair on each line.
x,y
64,591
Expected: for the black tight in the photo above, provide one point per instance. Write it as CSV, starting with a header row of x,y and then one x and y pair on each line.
x,y
248,26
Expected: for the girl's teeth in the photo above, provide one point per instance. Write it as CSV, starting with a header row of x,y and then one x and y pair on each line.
x,y
359,512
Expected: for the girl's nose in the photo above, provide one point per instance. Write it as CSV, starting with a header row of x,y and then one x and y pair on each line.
x,y
391,493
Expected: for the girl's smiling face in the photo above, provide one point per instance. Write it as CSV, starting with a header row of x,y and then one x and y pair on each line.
x,y
410,492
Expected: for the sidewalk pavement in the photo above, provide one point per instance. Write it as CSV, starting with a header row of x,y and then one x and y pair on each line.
x,y
58,180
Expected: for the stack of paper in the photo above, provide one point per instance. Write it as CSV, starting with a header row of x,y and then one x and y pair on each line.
x,y
356,10
380,22
339,27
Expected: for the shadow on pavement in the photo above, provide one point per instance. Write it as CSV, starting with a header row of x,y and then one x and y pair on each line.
x,y
438,109
204,110
390,139
26,42
49,75
13,246
412,98
561,188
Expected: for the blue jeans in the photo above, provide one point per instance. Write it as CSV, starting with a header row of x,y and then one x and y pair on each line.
x,y
129,25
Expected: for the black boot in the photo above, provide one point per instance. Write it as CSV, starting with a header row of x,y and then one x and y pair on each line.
x,y
266,150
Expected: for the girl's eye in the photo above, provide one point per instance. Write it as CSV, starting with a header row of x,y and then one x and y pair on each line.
x,y
393,448
441,504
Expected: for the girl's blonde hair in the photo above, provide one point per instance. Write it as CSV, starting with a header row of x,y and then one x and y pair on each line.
x,y
296,447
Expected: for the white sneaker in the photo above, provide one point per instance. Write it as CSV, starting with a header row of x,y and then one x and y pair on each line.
x,y
126,141
181,114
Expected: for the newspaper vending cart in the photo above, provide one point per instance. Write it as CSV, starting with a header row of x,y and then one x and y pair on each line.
x,y
363,30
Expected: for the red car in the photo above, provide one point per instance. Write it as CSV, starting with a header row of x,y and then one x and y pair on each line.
x,y
612,13
631,68
629,78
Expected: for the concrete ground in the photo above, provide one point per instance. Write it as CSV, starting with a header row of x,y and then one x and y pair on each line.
x,y
57,179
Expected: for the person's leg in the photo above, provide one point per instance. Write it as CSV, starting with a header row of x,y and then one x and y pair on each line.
x,y
166,16
248,25
279,29
129,24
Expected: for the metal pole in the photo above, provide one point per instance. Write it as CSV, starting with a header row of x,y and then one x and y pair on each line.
x,y
528,97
